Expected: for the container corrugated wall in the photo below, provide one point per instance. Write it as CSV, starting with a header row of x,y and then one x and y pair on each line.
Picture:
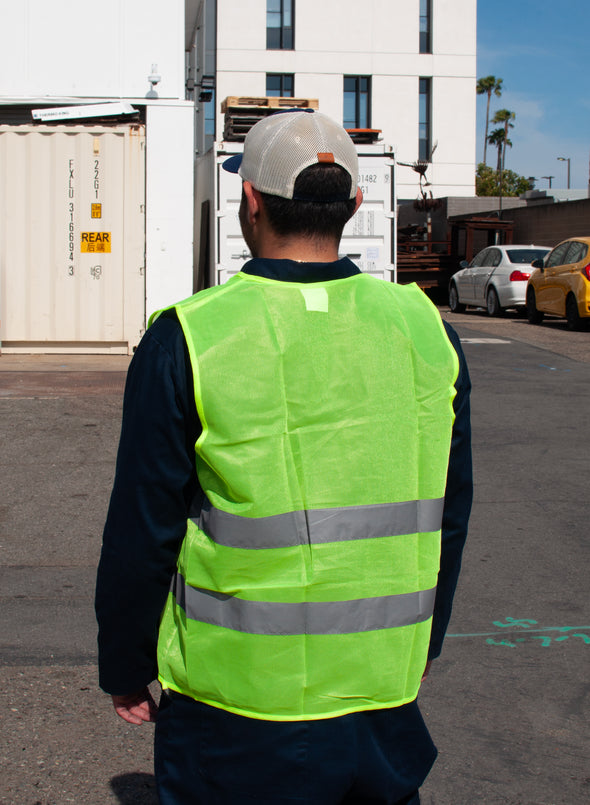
x,y
368,237
72,238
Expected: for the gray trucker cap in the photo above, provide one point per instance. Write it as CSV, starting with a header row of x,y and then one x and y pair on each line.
x,y
280,146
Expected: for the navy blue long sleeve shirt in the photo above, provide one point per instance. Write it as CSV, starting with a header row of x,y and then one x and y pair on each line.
x,y
155,482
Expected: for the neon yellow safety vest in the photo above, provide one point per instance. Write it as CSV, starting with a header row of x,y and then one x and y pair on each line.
x,y
305,587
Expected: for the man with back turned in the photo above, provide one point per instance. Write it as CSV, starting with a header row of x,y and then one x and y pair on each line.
x,y
290,506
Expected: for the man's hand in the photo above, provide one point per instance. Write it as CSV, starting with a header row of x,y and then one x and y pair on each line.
x,y
136,707
426,670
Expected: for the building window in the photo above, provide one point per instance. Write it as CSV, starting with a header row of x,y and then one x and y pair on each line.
x,y
279,85
279,24
357,102
424,122
425,26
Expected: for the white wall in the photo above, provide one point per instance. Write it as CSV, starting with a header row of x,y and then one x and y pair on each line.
x,y
81,48
169,204
378,38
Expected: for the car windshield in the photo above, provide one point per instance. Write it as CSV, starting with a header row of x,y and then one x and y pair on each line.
x,y
525,255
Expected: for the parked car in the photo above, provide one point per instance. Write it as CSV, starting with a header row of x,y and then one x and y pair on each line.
x,y
560,284
496,278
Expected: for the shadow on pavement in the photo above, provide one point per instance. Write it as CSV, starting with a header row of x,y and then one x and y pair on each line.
x,y
136,788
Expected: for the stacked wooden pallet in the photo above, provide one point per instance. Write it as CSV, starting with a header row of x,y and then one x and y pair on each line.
x,y
427,269
242,112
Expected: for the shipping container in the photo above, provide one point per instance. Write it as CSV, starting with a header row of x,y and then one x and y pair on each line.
x,y
369,238
72,238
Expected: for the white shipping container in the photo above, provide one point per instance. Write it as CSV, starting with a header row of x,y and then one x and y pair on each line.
x,y
369,239
72,238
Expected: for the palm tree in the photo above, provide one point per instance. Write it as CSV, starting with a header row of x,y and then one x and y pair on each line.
x,y
485,86
500,140
504,116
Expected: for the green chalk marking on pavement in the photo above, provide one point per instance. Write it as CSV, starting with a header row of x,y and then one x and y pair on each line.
x,y
514,626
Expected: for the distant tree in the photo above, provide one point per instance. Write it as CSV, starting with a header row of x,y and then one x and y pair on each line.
x,y
498,139
485,86
487,182
504,116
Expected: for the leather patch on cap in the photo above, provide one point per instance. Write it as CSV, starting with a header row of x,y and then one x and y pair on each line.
x,y
328,156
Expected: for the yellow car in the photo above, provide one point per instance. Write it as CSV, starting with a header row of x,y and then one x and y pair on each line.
x,y
560,284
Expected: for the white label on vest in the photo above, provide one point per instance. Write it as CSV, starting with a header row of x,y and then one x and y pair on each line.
x,y
315,299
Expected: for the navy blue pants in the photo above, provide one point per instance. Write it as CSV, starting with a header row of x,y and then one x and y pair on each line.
x,y
207,756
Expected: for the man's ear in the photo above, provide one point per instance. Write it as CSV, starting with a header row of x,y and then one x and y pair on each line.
x,y
253,202
359,199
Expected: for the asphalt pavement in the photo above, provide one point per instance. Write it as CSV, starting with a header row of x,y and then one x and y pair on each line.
x,y
507,702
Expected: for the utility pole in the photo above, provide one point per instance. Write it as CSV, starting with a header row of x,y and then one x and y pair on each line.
x,y
568,160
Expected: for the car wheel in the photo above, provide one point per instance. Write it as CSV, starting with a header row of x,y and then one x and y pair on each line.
x,y
454,304
493,303
574,321
533,315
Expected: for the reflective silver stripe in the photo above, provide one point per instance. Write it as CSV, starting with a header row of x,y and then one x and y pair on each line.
x,y
333,617
320,525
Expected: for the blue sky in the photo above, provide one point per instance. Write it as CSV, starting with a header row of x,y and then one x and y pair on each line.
x,y
541,50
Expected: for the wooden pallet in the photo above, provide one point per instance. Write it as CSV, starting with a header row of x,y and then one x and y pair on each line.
x,y
239,118
236,128
240,101
427,269
364,136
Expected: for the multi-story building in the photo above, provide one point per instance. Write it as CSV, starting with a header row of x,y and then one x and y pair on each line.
x,y
404,67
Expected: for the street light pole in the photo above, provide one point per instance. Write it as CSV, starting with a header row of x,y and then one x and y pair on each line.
x,y
548,177
566,159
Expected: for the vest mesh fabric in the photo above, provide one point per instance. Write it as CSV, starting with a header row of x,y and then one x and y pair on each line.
x,y
323,402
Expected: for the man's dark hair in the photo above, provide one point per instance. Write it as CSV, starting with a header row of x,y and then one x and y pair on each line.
x,y
320,216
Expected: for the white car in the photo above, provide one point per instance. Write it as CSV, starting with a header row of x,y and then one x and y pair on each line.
x,y
496,278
